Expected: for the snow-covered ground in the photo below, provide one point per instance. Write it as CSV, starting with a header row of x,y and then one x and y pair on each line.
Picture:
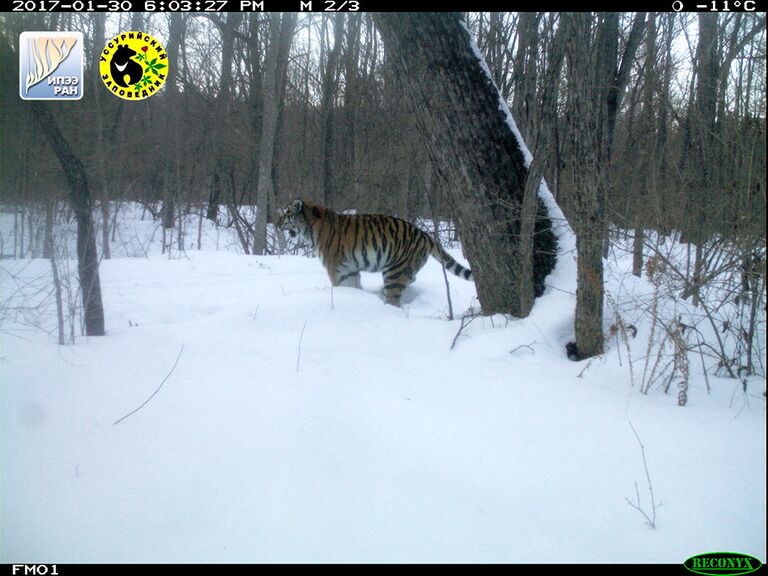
x,y
304,424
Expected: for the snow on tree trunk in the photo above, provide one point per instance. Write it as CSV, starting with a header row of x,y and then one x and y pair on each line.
x,y
476,155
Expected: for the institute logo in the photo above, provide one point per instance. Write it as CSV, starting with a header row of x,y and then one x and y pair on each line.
x,y
51,65
133,65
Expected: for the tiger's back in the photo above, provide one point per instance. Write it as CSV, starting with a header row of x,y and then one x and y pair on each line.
x,y
350,243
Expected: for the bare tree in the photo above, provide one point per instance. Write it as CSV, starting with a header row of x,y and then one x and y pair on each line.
x,y
330,84
596,83
80,198
648,136
542,120
222,108
280,31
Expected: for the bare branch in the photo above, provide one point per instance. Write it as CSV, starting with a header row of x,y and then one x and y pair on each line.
x,y
153,393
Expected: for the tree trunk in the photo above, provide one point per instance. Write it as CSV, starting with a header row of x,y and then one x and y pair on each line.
x,y
542,120
287,30
87,257
615,75
264,191
459,114
49,251
330,85
648,148
100,151
525,67
221,112
586,106
172,136
703,124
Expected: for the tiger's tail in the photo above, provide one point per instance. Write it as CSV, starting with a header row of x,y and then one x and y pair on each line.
x,y
450,264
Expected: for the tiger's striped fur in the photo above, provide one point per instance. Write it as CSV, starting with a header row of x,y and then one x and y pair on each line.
x,y
350,243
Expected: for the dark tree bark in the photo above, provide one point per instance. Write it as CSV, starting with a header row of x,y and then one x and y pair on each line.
x,y
542,121
591,68
352,100
525,76
279,33
287,31
457,111
596,84
222,111
98,100
171,169
330,85
703,139
80,198
648,146
617,72
662,125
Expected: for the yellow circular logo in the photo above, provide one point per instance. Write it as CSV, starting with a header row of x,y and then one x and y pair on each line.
x,y
133,65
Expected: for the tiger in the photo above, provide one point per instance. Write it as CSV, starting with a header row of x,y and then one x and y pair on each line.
x,y
350,243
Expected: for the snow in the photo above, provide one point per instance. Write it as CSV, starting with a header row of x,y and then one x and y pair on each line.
x,y
304,424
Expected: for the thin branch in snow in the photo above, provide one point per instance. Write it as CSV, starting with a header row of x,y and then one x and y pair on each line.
x,y
465,321
301,336
155,392
651,520
529,346
581,374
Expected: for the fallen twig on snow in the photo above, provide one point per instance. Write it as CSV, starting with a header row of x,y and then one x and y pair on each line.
x,y
153,393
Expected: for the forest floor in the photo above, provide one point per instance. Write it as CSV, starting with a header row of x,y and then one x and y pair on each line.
x,y
303,424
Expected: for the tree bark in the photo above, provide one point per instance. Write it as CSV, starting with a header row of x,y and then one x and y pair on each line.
x,y
172,136
80,198
330,85
703,140
648,147
98,100
265,189
525,77
587,77
477,157
222,111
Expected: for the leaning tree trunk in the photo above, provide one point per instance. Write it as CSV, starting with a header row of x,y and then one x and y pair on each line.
x,y
79,196
458,111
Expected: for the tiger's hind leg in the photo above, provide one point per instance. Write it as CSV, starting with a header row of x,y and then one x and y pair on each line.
x,y
350,279
395,281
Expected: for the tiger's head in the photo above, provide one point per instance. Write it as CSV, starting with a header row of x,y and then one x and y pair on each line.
x,y
298,217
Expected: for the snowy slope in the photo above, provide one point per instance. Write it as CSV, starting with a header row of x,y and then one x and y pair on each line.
x,y
304,424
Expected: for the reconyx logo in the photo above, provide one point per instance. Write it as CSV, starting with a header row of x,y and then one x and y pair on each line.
x,y
133,65
718,563
51,65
